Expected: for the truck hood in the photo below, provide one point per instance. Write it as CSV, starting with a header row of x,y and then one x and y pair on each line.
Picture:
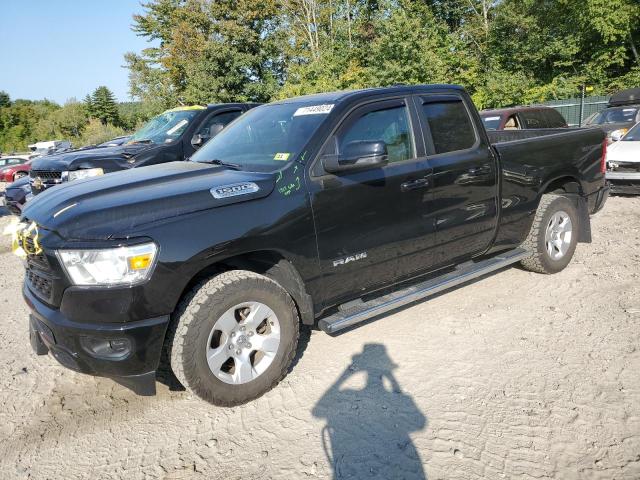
x,y
109,158
624,151
113,205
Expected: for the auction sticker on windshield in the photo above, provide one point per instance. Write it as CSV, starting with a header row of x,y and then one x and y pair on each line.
x,y
177,126
283,157
314,110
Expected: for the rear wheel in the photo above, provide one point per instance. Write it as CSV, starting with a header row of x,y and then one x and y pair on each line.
x,y
553,237
233,337
18,175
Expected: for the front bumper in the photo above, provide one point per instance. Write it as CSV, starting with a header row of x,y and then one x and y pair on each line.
x,y
624,182
86,347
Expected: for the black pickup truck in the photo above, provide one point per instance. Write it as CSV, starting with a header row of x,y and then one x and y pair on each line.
x,y
173,135
322,210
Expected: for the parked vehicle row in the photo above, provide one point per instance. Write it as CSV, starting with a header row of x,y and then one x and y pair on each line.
x,y
323,210
171,136
622,113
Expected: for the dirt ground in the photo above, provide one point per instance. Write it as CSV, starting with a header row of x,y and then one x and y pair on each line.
x,y
517,375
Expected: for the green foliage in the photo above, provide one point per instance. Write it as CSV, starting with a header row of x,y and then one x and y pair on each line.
x,y
103,106
505,52
5,100
24,122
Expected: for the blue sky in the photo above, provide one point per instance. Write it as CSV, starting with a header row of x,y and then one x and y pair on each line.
x,y
58,49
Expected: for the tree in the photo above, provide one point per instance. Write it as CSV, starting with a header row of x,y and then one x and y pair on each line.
x,y
209,51
103,106
5,101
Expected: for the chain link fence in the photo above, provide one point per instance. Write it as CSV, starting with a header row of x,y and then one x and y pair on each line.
x,y
570,108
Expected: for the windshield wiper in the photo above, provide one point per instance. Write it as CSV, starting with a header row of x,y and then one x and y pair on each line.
x,y
144,140
222,163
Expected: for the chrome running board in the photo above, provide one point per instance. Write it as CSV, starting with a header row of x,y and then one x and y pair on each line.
x,y
358,311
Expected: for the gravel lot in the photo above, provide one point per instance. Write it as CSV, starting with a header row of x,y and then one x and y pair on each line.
x,y
518,375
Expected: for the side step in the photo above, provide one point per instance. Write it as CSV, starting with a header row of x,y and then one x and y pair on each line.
x,y
356,312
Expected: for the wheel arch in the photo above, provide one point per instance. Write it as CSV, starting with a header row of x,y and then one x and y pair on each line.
x,y
563,183
270,263
570,186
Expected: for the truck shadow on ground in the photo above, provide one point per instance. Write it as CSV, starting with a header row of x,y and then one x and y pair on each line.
x,y
367,429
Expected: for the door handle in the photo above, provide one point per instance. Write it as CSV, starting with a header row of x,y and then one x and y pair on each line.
x,y
479,171
415,184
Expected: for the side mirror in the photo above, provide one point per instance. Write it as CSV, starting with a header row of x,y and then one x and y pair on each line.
x,y
197,140
617,135
357,155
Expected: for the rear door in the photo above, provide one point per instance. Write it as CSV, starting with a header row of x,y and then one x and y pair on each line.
x,y
464,170
371,224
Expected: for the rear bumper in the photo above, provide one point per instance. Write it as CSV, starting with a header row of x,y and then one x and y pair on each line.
x,y
128,353
597,199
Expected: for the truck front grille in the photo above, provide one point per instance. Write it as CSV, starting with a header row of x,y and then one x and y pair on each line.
x,y
40,180
39,284
45,174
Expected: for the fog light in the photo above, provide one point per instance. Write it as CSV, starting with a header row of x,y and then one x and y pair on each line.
x,y
106,348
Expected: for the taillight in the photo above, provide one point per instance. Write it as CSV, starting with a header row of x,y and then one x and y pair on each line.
x,y
603,160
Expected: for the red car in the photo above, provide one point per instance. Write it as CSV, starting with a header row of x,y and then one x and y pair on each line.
x,y
14,168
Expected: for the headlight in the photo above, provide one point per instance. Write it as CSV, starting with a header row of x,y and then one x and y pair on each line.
x,y
86,173
110,267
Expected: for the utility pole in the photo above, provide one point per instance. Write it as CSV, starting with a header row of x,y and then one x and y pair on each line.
x,y
582,89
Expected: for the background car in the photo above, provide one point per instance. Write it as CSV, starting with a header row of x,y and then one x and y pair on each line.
x,y
623,163
16,195
622,112
522,118
13,172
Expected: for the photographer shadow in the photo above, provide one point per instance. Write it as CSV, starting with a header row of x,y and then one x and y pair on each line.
x,y
367,429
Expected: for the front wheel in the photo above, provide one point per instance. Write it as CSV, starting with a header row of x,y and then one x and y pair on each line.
x,y
19,175
233,337
553,236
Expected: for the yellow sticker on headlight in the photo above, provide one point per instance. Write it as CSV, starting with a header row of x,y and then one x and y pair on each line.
x,y
140,262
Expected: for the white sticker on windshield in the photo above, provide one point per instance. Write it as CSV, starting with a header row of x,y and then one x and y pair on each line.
x,y
314,110
488,119
177,126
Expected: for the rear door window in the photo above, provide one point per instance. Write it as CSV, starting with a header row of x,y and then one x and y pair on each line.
x,y
449,123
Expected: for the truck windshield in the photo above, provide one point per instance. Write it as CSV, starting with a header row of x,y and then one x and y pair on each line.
x,y
615,115
491,122
633,135
166,127
266,138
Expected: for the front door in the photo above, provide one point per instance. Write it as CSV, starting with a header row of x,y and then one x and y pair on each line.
x,y
465,175
368,223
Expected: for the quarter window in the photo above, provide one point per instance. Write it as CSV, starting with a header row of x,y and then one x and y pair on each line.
x,y
450,125
390,125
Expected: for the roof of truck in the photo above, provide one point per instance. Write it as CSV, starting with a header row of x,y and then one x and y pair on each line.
x,y
332,97
630,96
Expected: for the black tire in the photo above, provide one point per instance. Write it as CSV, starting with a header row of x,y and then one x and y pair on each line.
x,y
19,175
540,260
193,321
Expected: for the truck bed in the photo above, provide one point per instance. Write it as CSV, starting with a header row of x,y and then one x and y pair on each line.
x,y
503,136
